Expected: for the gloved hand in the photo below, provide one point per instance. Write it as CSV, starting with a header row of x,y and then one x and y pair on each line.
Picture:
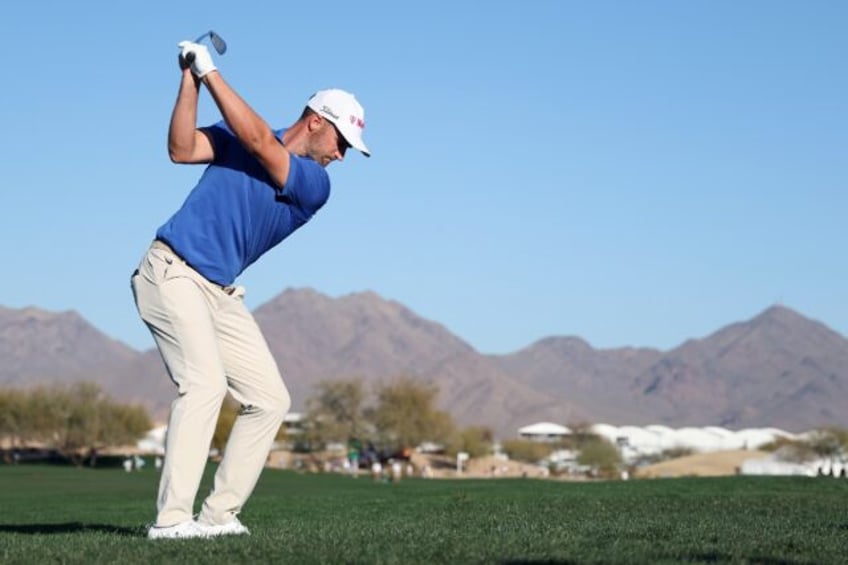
x,y
200,59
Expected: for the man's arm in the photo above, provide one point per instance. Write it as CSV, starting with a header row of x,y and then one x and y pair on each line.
x,y
186,144
252,131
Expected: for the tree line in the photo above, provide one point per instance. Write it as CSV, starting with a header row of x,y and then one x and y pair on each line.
x,y
402,413
79,419
392,416
74,420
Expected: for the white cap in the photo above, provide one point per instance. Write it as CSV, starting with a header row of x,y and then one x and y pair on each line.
x,y
342,109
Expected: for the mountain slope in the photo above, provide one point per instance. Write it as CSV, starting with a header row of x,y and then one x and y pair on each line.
x,y
777,369
37,346
314,337
778,365
569,369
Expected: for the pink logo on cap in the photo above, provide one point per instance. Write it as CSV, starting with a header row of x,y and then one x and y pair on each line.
x,y
358,122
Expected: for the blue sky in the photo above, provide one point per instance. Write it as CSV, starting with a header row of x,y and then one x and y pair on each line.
x,y
633,173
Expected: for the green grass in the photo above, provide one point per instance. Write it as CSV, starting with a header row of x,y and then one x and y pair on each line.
x,y
64,515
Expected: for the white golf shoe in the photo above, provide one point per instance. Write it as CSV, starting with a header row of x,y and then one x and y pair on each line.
x,y
233,528
183,530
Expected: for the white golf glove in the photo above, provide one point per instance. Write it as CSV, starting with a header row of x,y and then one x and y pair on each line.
x,y
202,64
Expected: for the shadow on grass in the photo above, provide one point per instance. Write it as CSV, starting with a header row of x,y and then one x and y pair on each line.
x,y
68,528
710,557
537,562
714,557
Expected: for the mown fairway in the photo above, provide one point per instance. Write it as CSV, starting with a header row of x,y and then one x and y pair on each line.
x,y
56,514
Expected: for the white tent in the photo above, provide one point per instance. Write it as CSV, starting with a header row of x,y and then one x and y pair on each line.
x,y
641,440
771,466
637,441
665,434
697,439
754,438
606,431
728,439
154,441
544,431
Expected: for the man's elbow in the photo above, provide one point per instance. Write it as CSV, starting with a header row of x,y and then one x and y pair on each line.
x,y
178,155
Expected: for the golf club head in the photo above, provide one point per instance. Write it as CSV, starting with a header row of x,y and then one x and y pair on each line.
x,y
217,42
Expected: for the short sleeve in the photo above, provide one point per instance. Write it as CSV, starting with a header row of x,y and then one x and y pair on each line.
x,y
221,138
307,186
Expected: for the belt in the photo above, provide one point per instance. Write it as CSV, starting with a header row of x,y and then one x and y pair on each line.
x,y
159,244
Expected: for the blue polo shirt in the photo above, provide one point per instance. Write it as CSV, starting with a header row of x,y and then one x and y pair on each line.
x,y
236,212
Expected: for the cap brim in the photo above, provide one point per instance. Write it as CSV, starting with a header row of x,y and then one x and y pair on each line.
x,y
355,141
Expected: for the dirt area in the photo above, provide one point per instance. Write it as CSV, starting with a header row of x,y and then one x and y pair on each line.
x,y
481,467
441,467
723,463
423,465
701,465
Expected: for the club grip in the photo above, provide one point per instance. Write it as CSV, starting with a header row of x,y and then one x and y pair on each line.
x,y
189,57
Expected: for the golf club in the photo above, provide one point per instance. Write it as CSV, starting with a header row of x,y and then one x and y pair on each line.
x,y
217,42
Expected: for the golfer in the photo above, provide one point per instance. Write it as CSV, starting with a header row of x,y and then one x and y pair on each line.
x,y
260,185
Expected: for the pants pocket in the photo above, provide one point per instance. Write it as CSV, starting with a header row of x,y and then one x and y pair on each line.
x,y
158,266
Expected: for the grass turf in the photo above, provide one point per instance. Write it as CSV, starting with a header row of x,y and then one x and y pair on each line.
x,y
65,515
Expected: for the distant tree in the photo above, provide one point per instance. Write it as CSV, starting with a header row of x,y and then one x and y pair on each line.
x,y
92,420
12,417
581,434
122,424
526,450
779,444
790,450
81,420
74,420
601,455
45,414
829,442
406,414
336,412
676,453
475,441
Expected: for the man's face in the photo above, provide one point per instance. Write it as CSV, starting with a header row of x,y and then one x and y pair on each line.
x,y
329,144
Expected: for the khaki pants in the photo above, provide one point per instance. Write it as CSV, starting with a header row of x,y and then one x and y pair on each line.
x,y
211,345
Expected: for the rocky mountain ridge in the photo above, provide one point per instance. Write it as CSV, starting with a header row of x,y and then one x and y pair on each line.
x,y
779,368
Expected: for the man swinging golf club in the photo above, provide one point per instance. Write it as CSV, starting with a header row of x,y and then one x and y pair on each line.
x,y
260,185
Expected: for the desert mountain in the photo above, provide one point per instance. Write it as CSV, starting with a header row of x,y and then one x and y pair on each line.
x,y
569,368
37,346
778,363
777,369
314,338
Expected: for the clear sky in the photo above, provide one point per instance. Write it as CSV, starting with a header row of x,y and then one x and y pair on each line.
x,y
632,172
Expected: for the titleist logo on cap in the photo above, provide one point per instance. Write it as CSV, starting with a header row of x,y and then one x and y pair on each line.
x,y
326,110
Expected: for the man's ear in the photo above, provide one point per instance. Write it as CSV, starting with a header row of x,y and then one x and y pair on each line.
x,y
314,122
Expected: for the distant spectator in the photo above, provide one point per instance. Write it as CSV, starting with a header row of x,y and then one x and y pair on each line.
x,y
354,447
